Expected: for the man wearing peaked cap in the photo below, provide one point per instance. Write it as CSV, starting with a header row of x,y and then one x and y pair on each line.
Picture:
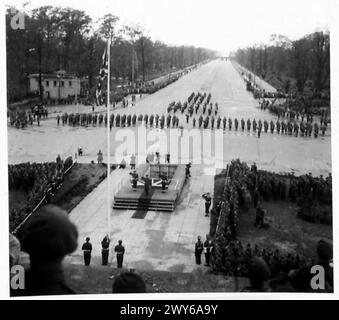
x,y
47,237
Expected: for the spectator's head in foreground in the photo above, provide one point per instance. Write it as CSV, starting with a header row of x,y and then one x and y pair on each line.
x,y
49,235
324,251
129,282
258,273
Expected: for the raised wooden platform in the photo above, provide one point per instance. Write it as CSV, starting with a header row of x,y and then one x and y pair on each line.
x,y
157,200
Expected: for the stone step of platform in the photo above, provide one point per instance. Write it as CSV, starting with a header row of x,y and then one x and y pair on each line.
x,y
141,204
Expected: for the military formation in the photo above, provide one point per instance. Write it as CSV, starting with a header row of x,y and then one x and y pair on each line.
x,y
38,179
21,118
291,128
248,186
117,120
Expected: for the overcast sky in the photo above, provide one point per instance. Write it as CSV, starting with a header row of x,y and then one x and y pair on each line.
x,y
222,25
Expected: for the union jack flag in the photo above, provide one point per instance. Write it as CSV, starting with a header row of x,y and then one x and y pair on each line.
x,y
102,75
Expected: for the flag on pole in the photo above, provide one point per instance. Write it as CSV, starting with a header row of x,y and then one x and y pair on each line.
x,y
102,75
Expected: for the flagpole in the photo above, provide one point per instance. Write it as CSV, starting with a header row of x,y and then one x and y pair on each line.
x,y
108,137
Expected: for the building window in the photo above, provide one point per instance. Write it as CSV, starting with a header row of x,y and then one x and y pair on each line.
x,y
47,83
62,83
54,83
70,83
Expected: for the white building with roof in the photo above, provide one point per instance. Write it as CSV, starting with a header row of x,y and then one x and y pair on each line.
x,y
57,85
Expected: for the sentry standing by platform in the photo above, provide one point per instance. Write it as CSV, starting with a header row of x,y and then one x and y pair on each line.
x,y
120,251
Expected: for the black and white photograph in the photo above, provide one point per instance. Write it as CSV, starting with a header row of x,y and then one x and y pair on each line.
x,y
168,147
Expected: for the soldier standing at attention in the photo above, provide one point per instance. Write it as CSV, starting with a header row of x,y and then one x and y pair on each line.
x,y
87,249
120,250
208,201
199,247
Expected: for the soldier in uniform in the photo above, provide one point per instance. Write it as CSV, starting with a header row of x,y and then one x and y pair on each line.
x,y
200,121
129,119
265,126
242,124
101,117
146,119
248,124
272,126
254,125
156,120
218,122
302,129
187,117
120,251
135,178
105,250
168,123
147,184
224,122
151,119
278,126
236,123
162,122
100,157
309,128
123,120
193,121
134,119
117,120
58,119
206,122
87,249
208,201
174,121
212,122
199,247
260,125
229,124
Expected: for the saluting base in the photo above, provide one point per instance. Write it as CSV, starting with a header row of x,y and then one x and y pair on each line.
x,y
128,198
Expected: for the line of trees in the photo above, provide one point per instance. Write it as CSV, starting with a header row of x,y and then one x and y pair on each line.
x,y
303,64
57,38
